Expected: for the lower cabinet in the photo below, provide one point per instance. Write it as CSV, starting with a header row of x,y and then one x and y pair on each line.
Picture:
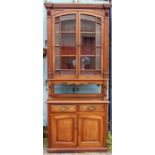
x,y
90,130
71,130
77,127
64,130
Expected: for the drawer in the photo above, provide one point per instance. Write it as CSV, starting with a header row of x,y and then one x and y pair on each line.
x,y
63,108
91,107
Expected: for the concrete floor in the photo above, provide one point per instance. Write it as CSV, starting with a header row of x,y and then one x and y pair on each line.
x,y
92,153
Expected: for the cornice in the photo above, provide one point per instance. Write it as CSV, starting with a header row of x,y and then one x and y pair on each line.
x,y
76,6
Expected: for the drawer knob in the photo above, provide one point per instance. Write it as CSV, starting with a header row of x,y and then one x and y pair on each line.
x,y
64,108
91,108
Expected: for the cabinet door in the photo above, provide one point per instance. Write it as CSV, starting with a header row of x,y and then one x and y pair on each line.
x,y
90,130
78,45
65,45
91,44
64,132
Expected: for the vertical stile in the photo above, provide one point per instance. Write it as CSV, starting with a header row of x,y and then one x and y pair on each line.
x,y
77,48
53,46
79,42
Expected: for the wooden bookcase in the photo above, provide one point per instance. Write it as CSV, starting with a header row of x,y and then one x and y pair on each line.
x,y
78,59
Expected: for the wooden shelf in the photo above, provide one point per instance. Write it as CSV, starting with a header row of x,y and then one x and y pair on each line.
x,y
77,100
66,55
87,32
64,69
87,55
64,32
90,69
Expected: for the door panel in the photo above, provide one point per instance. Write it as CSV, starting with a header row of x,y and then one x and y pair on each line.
x,y
65,44
90,41
64,132
90,130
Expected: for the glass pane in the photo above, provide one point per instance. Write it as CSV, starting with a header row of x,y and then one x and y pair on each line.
x,y
68,25
98,51
88,17
87,62
57,28
80,89
98,35
87,43
57,39
65,40
58,62
57,51
98,28
68,62
88,23
57,33
68,17
98,39
98,62
90,61
68,46
87,26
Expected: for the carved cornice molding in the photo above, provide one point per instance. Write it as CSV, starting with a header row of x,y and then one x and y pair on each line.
x,y
76,6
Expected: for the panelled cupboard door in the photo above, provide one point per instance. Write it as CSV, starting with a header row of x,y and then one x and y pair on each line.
x,y
90,130
64,130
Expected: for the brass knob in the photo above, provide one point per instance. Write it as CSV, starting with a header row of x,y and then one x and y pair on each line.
x,y
91,108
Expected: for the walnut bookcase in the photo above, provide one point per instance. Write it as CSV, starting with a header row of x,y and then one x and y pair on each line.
x,y
78,60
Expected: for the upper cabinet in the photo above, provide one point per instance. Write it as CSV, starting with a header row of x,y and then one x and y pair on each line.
x,y
78,42
77,51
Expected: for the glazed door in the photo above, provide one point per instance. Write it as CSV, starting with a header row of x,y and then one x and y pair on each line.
x,y
64,130
90,130
90,45
65,45
78,45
